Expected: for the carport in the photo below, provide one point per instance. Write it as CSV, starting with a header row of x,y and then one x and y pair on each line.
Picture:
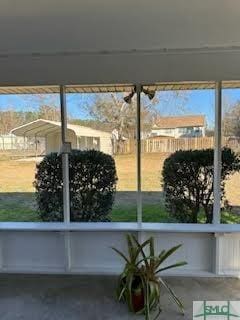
x,y
80,137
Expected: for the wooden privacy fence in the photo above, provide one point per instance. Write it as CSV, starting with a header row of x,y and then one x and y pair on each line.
x,y
170,145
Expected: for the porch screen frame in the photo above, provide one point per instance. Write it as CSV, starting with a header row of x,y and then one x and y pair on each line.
x,y
139,220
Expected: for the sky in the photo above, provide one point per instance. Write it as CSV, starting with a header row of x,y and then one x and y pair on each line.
x,y
187,102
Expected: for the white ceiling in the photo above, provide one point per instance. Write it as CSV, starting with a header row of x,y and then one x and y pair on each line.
x,y
49,26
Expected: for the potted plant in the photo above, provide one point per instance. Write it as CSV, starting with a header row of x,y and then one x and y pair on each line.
x,y
139,284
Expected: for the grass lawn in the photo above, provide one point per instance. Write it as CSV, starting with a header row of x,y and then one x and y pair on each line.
x,y
151,213
17,201
18,207
21,207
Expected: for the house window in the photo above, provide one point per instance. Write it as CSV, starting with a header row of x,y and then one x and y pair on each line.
x,y
183,130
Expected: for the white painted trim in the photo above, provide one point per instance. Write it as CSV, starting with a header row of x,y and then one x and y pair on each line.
x,y
216,257
65,161
90,252
65,175
120,226
67,250
139,159
73,226
66,196
217,154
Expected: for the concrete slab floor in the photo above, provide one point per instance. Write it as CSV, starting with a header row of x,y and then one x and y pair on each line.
x,y
45,297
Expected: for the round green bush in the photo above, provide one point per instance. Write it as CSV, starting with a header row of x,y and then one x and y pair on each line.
x,y
92,183
188,182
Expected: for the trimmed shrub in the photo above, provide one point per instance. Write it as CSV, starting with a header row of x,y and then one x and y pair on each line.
x,y
92,183
188,182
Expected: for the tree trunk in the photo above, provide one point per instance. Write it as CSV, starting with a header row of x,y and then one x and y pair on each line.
x,y
209,213
195,215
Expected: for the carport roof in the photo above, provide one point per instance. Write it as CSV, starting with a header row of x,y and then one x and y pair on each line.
x,y
38,128
105,88
42,127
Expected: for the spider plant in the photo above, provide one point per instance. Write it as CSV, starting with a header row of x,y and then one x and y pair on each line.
x,y
141,276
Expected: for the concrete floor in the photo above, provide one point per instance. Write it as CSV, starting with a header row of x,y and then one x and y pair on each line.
x,y
92,297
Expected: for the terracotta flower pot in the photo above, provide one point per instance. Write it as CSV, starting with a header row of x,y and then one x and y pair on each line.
x,y
138,300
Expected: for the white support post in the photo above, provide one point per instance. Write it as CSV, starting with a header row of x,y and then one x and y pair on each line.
x,y
217,154
65,160
217,256
67,250
65,175
138,136
66,196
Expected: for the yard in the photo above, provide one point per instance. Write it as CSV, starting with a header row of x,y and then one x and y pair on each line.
x,y
17,200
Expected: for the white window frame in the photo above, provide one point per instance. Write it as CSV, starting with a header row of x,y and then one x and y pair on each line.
x,y
139,225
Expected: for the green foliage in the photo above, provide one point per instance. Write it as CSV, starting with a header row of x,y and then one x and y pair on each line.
x,y
92,183
141,274
188,182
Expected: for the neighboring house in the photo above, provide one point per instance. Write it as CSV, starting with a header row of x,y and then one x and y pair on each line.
x,y
180,126
81,137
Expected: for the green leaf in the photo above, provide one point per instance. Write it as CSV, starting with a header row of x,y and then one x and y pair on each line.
x,y
144,259
152,253
131,250
121,254
158,314
141,247
161,254
175,265
154,294
120,296
129,293
172,295
169,253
